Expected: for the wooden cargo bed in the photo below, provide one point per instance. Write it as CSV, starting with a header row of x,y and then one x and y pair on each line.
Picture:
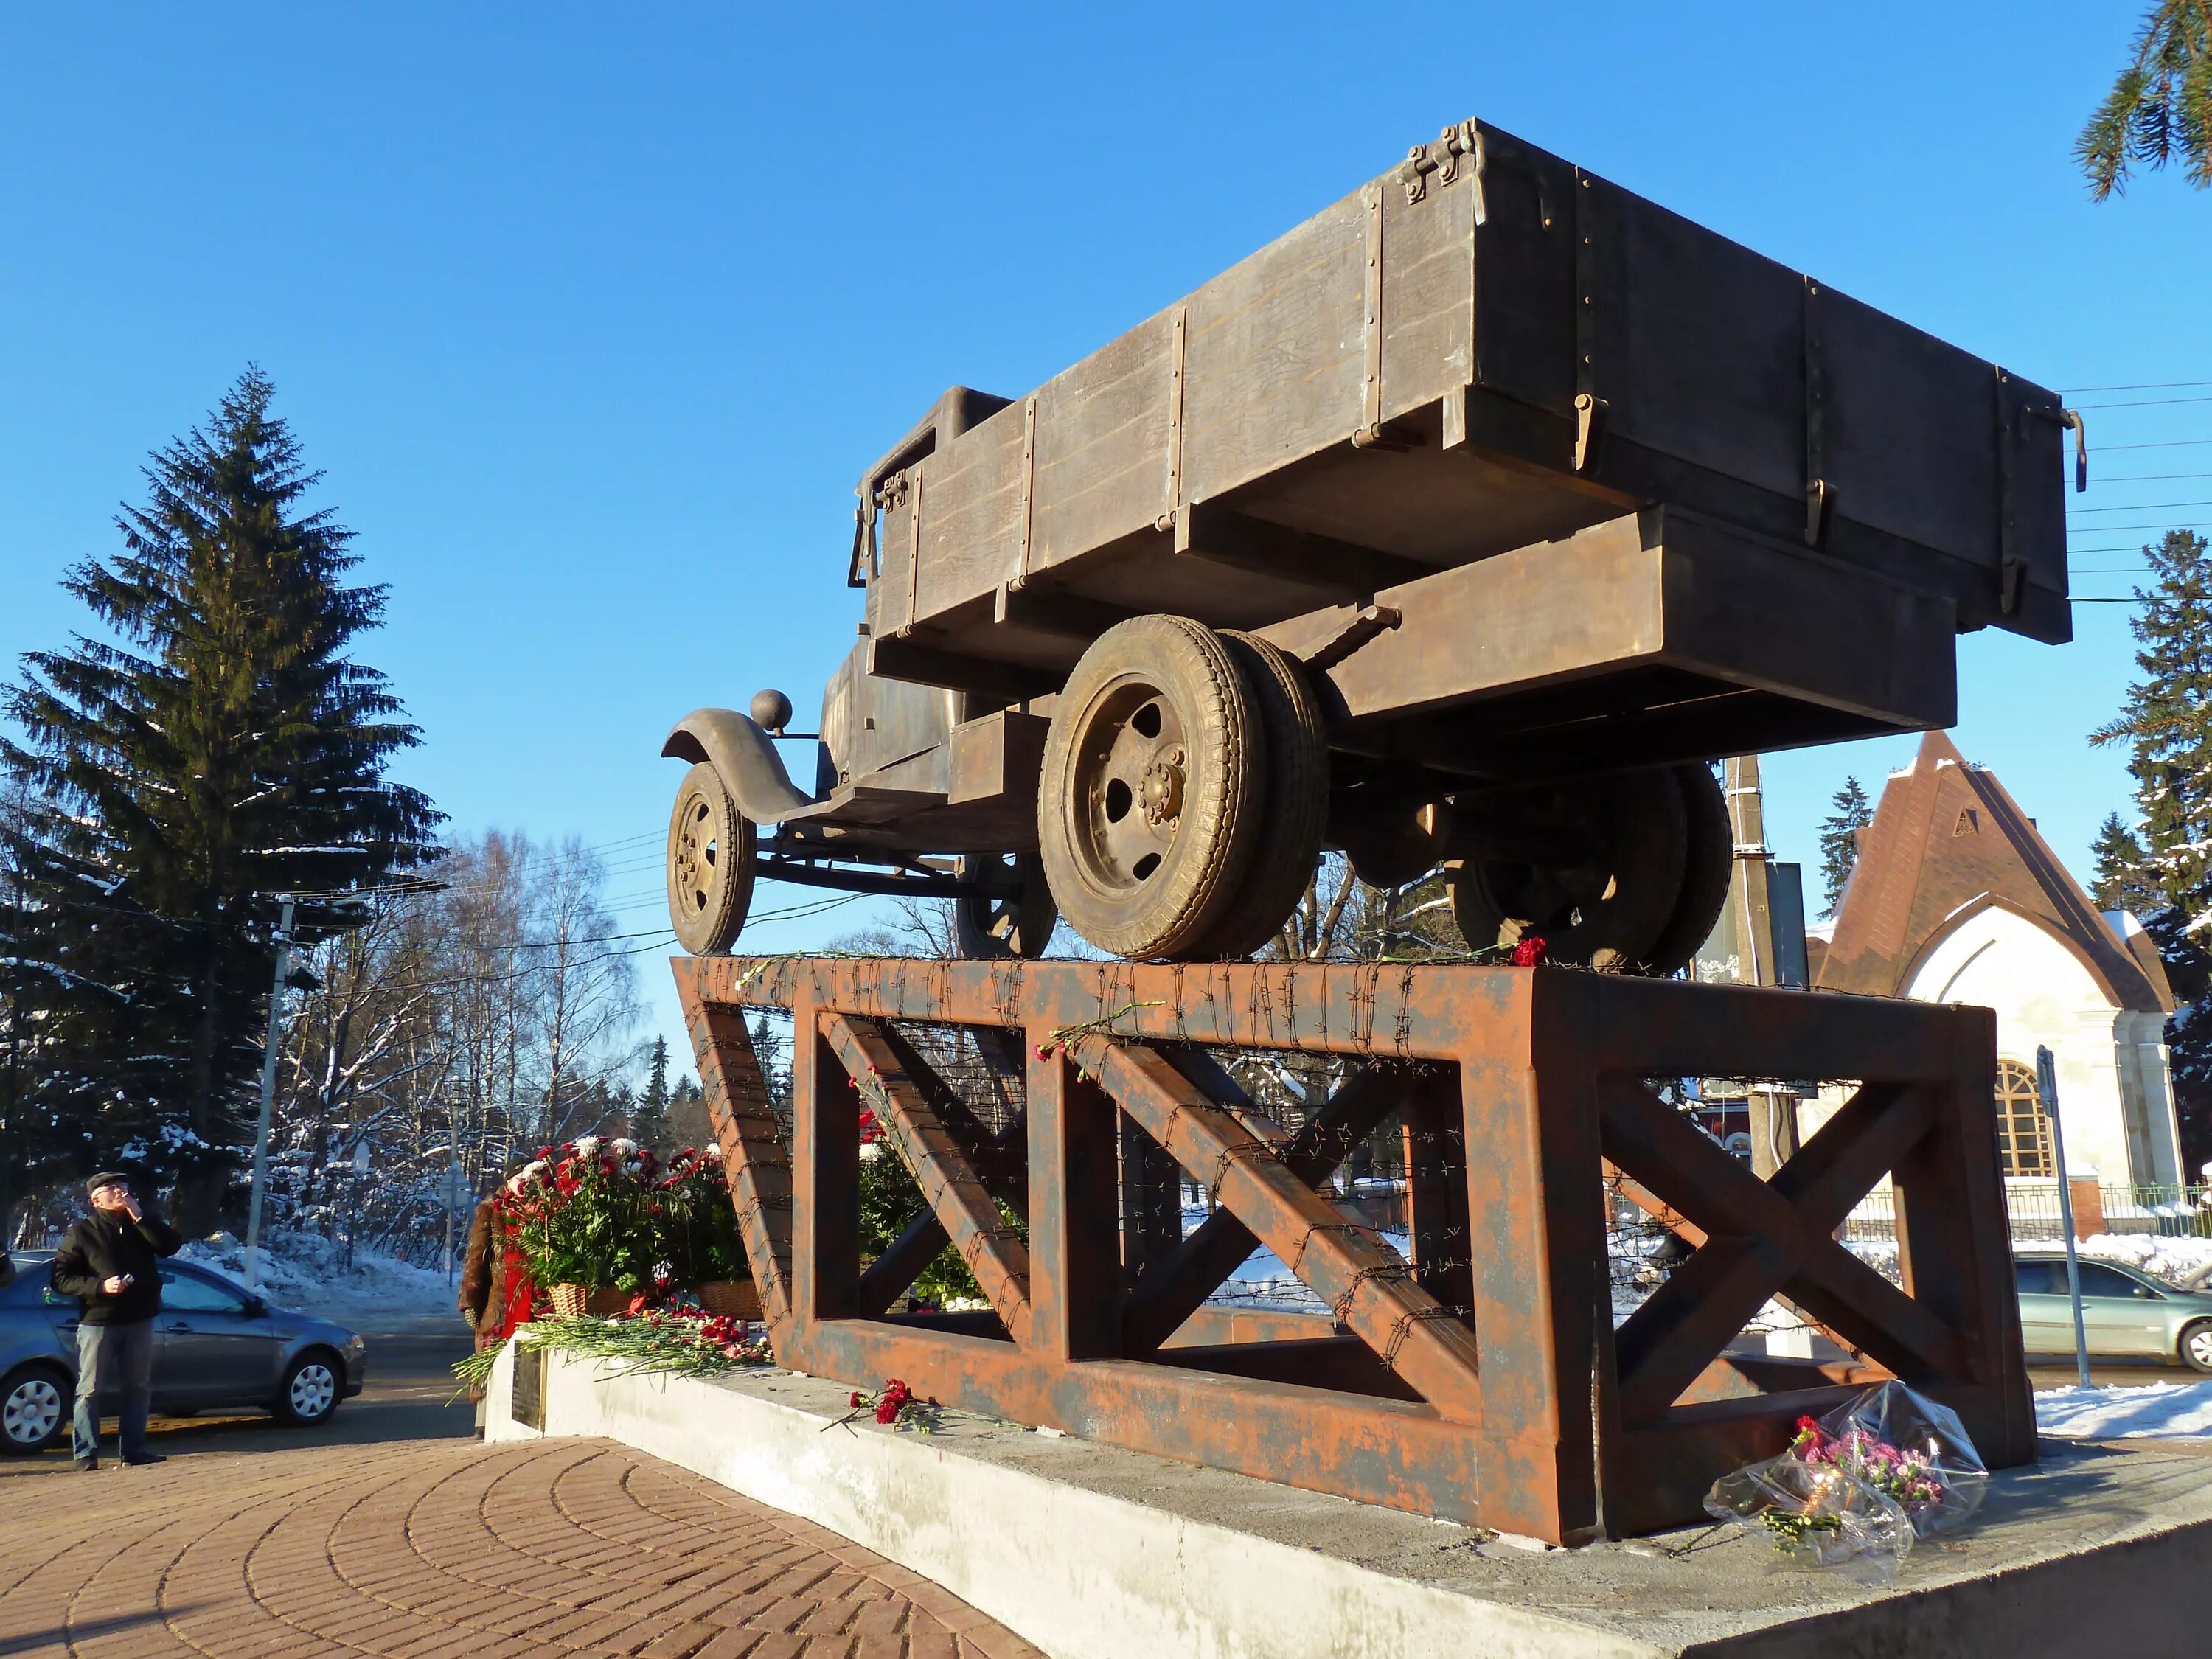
x,y
1485,350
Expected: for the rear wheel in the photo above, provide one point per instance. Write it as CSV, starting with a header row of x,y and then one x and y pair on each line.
x,y
309,1393
1015,922
1296,807
1594,867
1708,861
1150,798
2196,1345
34,1409
712,853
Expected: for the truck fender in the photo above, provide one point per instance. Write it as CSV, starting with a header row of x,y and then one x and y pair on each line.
x,y
745,759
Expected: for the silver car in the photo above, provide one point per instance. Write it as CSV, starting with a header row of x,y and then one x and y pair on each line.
x,y
216,1346
2125,1312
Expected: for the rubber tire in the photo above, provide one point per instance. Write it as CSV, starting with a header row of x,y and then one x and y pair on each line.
x,y
2197,1336
63,1387
1030,927
282,1408
1708,864
1642,813
1168,912
1296,739
707,921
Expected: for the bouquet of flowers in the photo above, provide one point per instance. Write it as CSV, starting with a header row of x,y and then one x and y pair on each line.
x,y
695,1220
585,1213
1861,1484
896,1407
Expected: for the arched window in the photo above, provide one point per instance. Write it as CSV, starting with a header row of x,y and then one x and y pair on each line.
x,y
2023,1136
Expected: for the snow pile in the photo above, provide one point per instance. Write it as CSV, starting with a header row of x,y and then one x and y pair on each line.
x,y
306,1271
2164,1409
2173,1259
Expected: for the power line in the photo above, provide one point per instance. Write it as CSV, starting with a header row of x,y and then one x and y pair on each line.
x,y
2150,478
2156,524
2149,403
2145,385
2135,506
2165,443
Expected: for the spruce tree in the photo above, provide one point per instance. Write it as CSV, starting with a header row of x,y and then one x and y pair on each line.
x,y
2160,109
1839,843
2167,723
2117,881
649,1121
216,747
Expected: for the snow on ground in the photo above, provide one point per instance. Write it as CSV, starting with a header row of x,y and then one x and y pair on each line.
x,y
2169,1257
307,1272
2110,1413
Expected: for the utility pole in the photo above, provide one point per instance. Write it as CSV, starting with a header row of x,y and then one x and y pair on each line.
x,y
268,1095
1773,1110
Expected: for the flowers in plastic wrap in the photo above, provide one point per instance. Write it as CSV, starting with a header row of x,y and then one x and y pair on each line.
x,y
1861,1484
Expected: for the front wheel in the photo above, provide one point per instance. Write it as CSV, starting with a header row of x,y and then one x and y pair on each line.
x,y
34,1410
2196,1345
711,854
1017,921
309,1393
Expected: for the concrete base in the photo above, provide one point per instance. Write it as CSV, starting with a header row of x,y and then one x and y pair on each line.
x,y
1093,1552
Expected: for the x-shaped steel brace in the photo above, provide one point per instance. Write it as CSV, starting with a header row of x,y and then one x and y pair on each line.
x,y
1177,1286
1368,1284
1762,1237
944,1169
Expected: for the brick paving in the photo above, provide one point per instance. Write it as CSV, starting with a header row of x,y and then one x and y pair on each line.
x,y
438,1549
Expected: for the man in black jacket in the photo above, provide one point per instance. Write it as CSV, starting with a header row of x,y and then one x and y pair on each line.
x,y
109,1261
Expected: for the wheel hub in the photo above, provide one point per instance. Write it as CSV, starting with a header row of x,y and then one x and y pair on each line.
x,y
1162,786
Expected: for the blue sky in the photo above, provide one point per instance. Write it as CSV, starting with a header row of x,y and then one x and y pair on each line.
x,y
591,315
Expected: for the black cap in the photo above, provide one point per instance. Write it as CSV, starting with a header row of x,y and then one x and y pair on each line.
x,y
107,1178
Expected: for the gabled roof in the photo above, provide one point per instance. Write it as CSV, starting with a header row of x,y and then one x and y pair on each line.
x,y
1946,840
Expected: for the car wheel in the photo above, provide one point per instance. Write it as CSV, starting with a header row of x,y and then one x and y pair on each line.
x,y
310,1390
34,1409
2196,1345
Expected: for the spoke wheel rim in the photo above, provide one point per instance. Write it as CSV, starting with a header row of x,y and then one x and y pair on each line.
x,y
312,1389
1132,777
696,867
34,1409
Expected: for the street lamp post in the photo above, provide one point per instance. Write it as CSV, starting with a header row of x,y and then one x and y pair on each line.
x,y
360,1175
2046,1089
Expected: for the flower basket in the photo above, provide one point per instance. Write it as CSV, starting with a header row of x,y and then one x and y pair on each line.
x,y
735,1299
575,1301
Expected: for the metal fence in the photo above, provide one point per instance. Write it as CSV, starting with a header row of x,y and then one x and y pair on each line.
x,y
2033,1209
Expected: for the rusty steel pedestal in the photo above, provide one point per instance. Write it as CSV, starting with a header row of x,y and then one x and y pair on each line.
x,y
1479,1378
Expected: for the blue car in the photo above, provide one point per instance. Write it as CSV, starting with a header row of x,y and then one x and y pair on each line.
x,y
216,1346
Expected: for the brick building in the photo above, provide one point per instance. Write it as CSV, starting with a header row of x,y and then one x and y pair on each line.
x,y
1957,898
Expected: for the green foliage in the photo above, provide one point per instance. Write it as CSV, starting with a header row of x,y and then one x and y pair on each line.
x,y
216,746
649,1116
2167,723
2116,882
2160,110
696,1223
1839,844
606,1212
890,1198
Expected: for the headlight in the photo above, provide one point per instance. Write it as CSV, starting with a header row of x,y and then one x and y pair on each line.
x,y
355,1344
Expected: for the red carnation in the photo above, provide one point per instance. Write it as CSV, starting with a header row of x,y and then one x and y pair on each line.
x,y
1527,952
